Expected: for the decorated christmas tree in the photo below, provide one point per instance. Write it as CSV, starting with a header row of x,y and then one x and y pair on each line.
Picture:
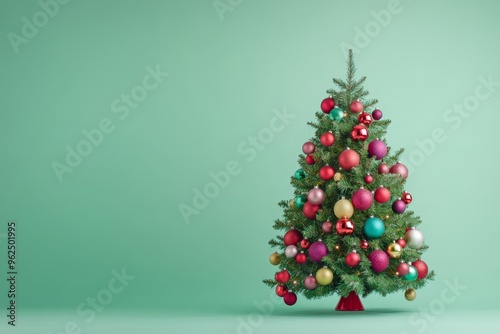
x,y
348,230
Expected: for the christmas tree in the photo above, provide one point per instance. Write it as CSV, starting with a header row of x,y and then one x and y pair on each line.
x,y
348,229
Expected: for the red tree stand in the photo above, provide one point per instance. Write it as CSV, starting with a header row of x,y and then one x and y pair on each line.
x,y
350,303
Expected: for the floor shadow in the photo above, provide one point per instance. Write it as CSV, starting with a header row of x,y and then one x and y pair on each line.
x,y
333,313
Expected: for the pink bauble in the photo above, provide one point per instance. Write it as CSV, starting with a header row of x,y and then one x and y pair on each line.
x,y
422,268
377,149
377,114
309,210
362,199
317,250
398,206
402,269
382,194
348,159
400,169
379,260
383,168
308,148
310,282
316,196
327,227
356,106
327,105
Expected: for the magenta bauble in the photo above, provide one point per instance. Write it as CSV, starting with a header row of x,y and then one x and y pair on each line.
x,y
310,282
316,196
398,206
327,105
348,159
400,169
317,251
308,148
362,199
326,173
379,260
310,210
377,149
377,114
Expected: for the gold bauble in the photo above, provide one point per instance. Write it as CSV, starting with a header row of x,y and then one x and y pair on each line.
x,y
274,259
338,176
394,250
343,208
324,276
410,294
291,203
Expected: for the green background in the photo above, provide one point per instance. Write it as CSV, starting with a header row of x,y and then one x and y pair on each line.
x,y
120,207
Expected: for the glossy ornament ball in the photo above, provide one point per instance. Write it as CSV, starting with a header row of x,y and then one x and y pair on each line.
x,y
327,139
344,226
291,251
290,298
383,168
281,290
343,208
310,282
299,174
377,149
359,133
292,237
309,210
406,197
356,106
301,258
410,295
348,159
364,244
365,119
305,243
316,196
422,268
382,194
300,201
414,238
401,242
326,173
317,251
336,114
402,269
362,199
379,260
282,276
394,250
274,259
398,206
412,274
368,178
374,227
327,105
310,159
352,259
377,114
324,276
400,169
327,227
308,148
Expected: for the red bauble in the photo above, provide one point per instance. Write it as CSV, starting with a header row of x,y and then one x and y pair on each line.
x,y
400,169
383,168
292,237
379,260
406,197
281,290
290,298
305,243
401,242
310,159
348,159
402,269
382,194
282,276
310,210
327,139
326,173
368,179
422,268
301,258
352,259
364,244
359,132
362,199
356,106
327,105
365,118
344,226
327,227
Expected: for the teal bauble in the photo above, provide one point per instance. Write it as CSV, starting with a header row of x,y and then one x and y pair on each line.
x,y
336,114
299,174
412,274
374,228
300,201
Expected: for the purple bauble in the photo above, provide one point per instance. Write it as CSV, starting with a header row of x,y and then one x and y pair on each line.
x,y
379,260
377,114
377,148
310,282
398,206
400,169
316,196
317,250
308,148
362,199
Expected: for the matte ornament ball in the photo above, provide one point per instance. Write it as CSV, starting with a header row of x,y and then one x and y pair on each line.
x,y
410,295
344,226
324,276
374,228
348,159
382,194
368,179
316,196
356,106
308,148
317,251
291,251
365,119
377,114
359,133
398,206
377,149
292,237
343,208
310,159
402,269
352,259
281,290
379,260
282,276
327,105
299,174
290,298
400,169
394,250
336,114
326,173
310,282
412,274
301,258
274,259
406,197
383,168
327,139
300,201
362,199
327,227
422,268
309,210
